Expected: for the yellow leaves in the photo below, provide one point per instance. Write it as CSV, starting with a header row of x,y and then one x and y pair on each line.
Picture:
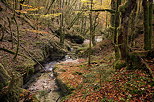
x,y
86,14
104,5
77,12
34,9
31,9
88,1
21,11
35,14
85,1
25,5
35,31
50,15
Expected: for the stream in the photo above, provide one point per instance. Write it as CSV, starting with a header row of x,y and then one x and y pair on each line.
x,y
43,84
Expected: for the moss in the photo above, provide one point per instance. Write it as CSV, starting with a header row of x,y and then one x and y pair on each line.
x,y
77,73
72,37
119,64
66,89
82,52
62,70
11,93
52,51
134,62
30,68
4,77
75,38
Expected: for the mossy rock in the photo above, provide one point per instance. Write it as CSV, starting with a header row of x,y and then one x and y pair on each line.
x,y
135,62
77,73
150,54
139,53
11,93
52,51
4,77
66,89
119,64
82,52
74,38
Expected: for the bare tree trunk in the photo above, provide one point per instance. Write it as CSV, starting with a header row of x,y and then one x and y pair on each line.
x,y
146,25
93,29
90,18
115,24
21,3
9,21
17,39
125,11
61,23
150,23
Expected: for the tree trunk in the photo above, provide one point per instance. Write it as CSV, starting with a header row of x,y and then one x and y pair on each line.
x,y
125,11
113,7
147,18
150,23
61,24
89,50
116,25
17,49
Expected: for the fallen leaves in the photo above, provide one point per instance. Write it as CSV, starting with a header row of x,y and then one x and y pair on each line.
x,y
132,86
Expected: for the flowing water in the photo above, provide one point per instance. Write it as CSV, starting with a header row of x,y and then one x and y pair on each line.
x,y
44,84
97,39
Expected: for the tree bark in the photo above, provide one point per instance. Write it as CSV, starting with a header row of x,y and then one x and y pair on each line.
x,y
150,23
125,11
147,8
61,23
115,24
91,35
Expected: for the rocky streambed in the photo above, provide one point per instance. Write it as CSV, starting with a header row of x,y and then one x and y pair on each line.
x,y
44,86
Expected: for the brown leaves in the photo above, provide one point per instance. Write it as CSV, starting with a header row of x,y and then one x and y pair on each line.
x,y
35,31
132,86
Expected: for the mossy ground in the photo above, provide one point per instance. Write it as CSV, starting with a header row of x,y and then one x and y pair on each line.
x,y
100,82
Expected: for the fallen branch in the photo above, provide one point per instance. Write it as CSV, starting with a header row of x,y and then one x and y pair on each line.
x,y
98,10
148,68
6,50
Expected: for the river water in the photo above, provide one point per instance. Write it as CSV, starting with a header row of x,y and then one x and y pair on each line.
x,y
44,86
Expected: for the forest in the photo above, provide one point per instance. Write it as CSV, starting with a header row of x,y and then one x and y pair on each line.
x,y
76,51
